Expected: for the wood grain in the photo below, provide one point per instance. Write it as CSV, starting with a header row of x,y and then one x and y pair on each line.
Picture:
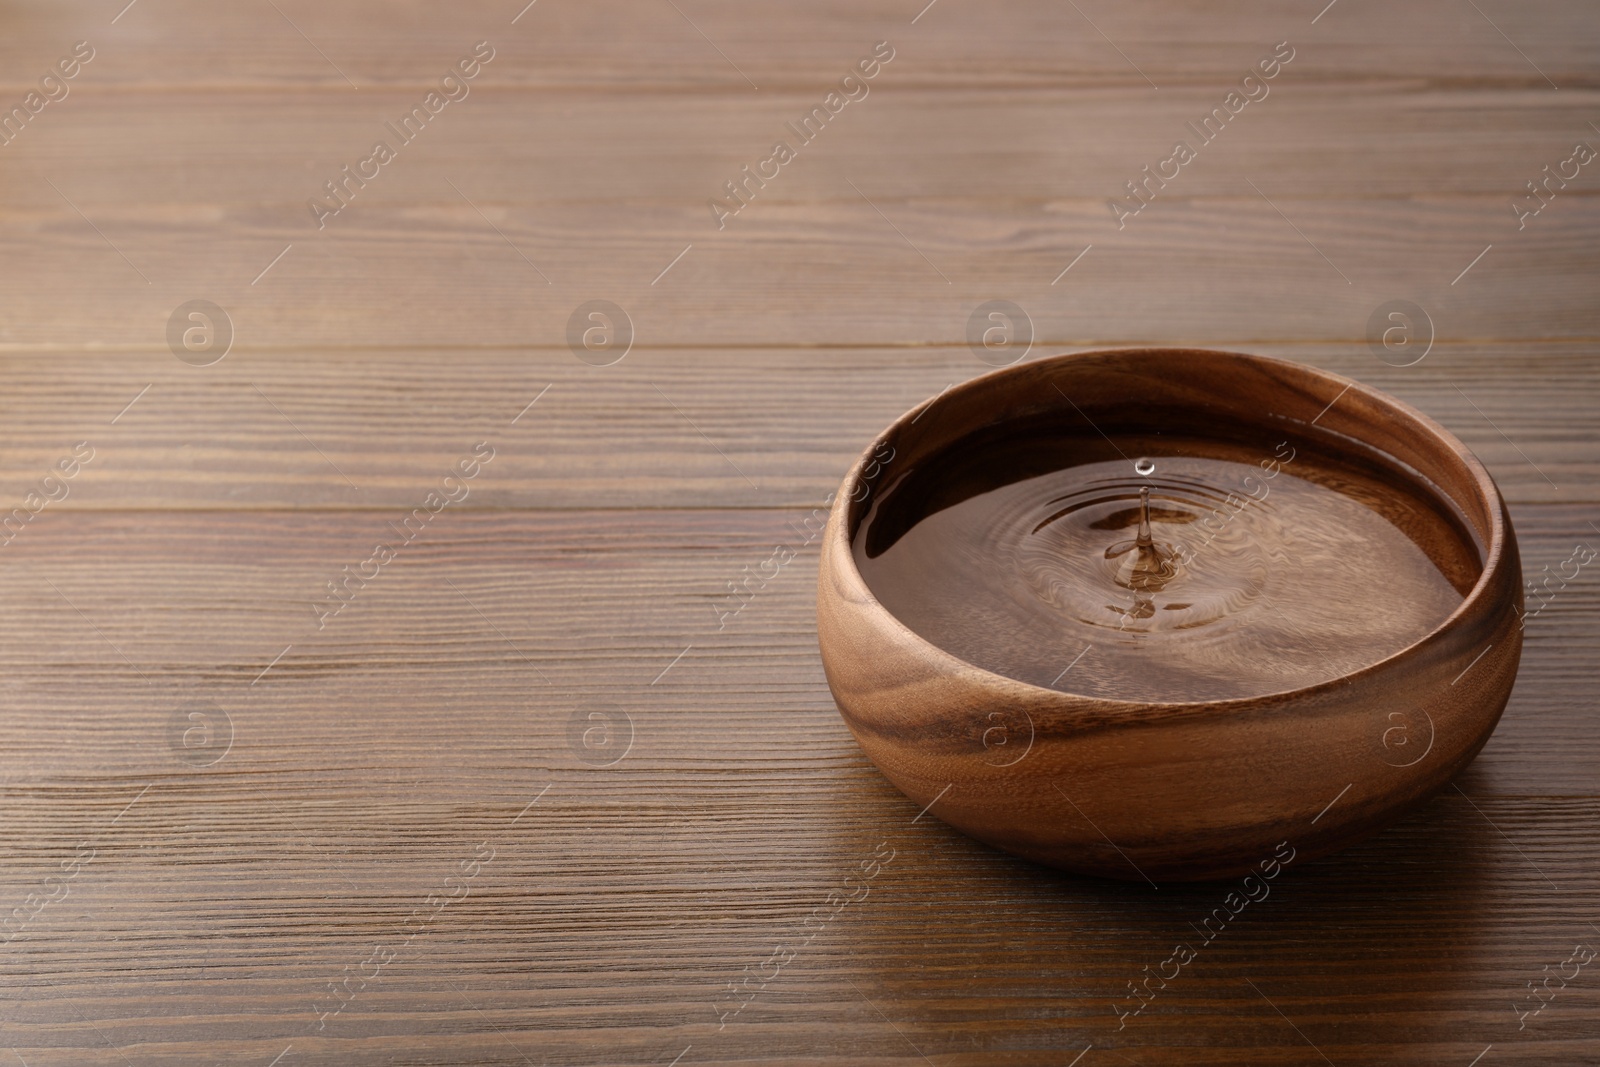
x,y
372,757
663,428
614,44
983,193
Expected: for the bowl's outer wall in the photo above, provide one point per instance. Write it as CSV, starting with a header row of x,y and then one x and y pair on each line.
x,y
1179,791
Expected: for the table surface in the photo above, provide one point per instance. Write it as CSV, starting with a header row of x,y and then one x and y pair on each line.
x,y
529,789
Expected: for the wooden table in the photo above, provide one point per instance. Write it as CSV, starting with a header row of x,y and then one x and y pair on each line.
x,y
535,793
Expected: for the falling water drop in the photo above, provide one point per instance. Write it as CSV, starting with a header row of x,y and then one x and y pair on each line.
x,y
1144,467
1151,564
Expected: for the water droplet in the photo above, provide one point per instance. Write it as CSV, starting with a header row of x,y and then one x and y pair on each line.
x,y
1144,467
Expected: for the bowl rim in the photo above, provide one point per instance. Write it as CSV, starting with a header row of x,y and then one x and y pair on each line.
x,y
839,541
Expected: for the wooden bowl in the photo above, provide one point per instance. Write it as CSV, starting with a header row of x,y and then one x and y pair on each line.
x,y
1182,790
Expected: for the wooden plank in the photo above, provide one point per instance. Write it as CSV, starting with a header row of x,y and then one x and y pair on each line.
x,y
614,43
564,949
986,195
494,627
662,428
563,150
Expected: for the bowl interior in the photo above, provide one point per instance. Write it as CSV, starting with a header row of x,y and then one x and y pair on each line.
x,y
1245,402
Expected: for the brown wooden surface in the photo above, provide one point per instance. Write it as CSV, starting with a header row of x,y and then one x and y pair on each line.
x,y
371,757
